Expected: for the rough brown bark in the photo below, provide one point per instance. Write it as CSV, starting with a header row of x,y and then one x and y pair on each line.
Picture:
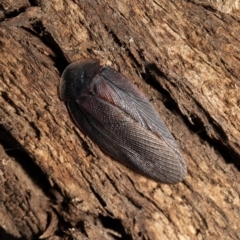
x,y
57,184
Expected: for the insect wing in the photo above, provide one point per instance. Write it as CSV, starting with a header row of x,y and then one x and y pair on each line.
x,y
128,98
115,114
122,122
125,139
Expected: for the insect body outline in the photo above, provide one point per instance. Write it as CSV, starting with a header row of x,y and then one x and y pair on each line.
x,y
113,112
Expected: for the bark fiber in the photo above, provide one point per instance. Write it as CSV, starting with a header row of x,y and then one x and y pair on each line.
x,y
56,183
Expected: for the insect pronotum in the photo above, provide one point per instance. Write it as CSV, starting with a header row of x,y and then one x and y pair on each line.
x,y
113,112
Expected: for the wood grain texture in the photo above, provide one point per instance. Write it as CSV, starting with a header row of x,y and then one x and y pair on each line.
x,y
57,184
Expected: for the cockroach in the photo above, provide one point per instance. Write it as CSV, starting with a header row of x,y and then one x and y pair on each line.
x,y
115,115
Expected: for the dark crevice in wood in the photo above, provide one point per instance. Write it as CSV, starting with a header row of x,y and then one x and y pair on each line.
x,y
81,227
228,69
149,77
98,197
84,144
204,5
59,59
124,46
115,225
11,103
13,13
35,128
113,183
229,155
16,151
209,8
62,224
34,3
6,236
220,146
134,202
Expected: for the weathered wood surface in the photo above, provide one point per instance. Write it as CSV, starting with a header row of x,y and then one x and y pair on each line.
x,y
57,184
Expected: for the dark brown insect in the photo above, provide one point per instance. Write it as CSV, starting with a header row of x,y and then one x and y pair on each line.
x,y
118,117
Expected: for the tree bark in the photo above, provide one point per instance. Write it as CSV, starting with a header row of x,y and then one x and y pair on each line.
x,y
56,183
